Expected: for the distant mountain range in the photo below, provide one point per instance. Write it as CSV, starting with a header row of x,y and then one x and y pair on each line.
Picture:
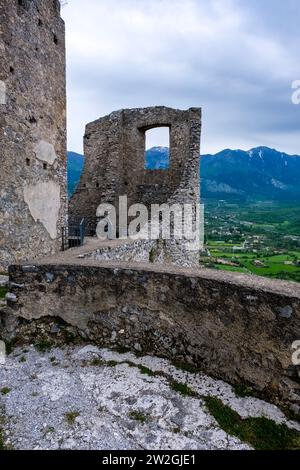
x,y
260,173
158,158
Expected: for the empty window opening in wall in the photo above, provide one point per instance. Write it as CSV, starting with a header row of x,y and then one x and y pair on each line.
x,y
157,148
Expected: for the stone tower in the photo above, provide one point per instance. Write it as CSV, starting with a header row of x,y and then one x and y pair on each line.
x,y
33,198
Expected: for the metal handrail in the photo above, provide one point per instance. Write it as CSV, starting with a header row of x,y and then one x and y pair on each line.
x,y
73,235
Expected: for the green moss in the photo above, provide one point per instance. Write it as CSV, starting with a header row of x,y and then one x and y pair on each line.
x,y
242,390
121,349
145,371
70,338
9,346
71,417
112,363
261,433
138,416
3,292
5,390
185,367
97,362
152,255
22,359
43,345
183,389
176,430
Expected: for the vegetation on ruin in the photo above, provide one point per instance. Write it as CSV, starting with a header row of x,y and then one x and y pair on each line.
x,y
121,349
71,417
44,345
182,388
242,390
152,255
112,363
146,371
138,416
261,433
185,367
9,346
3,292
97,362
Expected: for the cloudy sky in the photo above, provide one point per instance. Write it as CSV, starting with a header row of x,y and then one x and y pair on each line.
x,y
236,59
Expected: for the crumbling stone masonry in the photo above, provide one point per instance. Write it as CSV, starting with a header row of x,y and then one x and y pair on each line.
x,y
33,200
114,148
235,327
115,165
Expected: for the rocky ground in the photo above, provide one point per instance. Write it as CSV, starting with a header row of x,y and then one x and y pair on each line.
x,y
88,398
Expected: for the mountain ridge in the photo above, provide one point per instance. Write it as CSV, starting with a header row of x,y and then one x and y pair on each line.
x,y
259,173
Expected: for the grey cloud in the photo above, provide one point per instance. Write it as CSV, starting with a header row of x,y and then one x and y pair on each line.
x,y
234,58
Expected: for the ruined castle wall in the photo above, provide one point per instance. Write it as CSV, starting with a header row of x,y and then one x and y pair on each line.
x,y
115,160
32,129
235,327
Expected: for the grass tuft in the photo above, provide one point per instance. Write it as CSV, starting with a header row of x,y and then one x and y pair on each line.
x,y
44,345
185,367
5,390
97,362
152,255
121,349
261,433
112,363
138,416
3,292
9,346
146,371
183,389
71,417
242,390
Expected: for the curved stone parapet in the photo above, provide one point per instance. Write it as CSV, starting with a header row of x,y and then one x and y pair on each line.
x,y
243,329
